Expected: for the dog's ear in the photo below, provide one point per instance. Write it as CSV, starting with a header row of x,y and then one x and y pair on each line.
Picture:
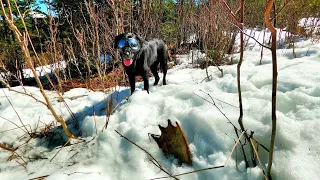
x,y
117,39
141,40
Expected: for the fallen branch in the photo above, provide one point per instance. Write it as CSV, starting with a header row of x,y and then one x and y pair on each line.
x,y
215,167
20,127
27,131
214,103
155,162
109,113
257,155
60,150
264,147
21,164
6,147
19,92
39,178
68,174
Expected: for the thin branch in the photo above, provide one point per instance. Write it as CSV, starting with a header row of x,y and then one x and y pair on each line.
x,y
284,5
19,127
264,147
154,160
242,149
60,149
213,103
15,111
109,114
231,12
215,167
21,164
13,123
23,43
249,36
6,147
39,178
257,155
206,93
24,93
19,157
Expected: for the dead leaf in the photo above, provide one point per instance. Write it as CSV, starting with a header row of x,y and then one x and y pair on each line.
x,y
174,142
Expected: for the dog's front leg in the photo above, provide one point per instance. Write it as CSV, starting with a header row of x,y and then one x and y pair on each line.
x,y
132,81
146,81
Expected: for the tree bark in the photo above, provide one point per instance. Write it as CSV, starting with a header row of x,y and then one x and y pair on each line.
x,y
274,83
23,42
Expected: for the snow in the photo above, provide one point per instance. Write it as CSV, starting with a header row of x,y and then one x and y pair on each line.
x,y
193,57
42,70
37,15
310,24
105,155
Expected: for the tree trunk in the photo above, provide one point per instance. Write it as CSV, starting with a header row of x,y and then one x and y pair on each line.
x,y
274,83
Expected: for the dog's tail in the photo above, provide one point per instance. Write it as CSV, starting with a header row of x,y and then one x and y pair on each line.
x,y
165,57
164,63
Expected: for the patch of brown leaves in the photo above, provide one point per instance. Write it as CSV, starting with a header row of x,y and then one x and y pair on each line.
x,y
117,77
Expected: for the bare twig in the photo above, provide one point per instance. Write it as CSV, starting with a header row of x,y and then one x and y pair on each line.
x,y
215,167
110,111
39,178
6,147
256,40
15,111
24,93
19,127
282,8
241,148
211,97
21,164
95,122
154,160
14,124
19,157
234,17
240,23
60,150
257,155
213,103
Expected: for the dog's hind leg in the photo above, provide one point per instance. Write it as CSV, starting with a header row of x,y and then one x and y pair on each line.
x,y
164,66
164,73
154,70
146,81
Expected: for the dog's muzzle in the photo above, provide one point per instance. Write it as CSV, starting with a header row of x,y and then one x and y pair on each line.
x,y
128,48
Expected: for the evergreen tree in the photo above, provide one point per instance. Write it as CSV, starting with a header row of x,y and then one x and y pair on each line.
x,y
11,57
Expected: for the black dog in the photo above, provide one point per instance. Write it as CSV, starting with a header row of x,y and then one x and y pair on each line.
x,y
138,55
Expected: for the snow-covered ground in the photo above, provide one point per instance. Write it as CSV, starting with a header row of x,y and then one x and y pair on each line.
x,y
105,155
42,70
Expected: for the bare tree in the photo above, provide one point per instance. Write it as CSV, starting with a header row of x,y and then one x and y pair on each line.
x,y
24,40
240,120
274,82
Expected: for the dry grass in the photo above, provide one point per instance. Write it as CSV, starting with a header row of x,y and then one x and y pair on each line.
x,y
117,77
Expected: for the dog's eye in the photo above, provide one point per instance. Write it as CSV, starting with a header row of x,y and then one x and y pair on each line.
x,y
121,43
133,43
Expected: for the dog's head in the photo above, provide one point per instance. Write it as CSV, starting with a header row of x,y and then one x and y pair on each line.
x,y
129,45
